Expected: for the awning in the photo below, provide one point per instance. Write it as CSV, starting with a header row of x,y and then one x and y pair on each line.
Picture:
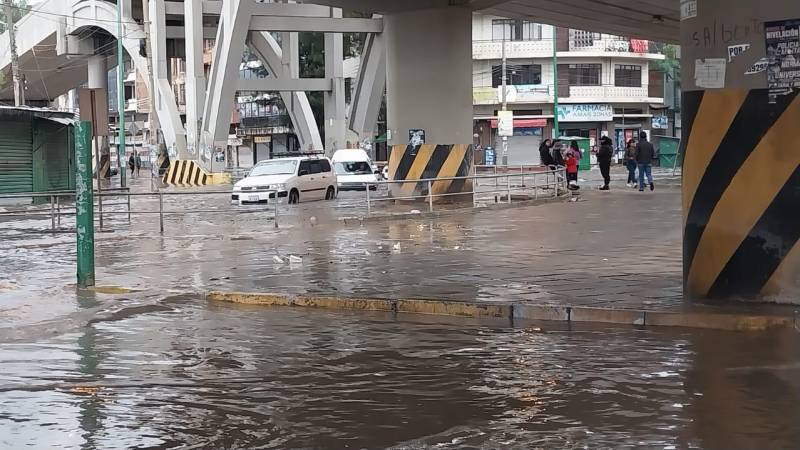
x,y
525,123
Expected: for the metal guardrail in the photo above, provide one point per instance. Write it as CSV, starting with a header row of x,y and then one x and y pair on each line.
x,y
56,212
555,179
522,181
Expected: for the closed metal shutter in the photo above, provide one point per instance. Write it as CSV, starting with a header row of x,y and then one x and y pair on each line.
x,y
53,142
16,157
524,150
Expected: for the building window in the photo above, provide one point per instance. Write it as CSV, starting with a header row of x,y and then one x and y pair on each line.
x,y
517,74
516,30
584,74
626,75
580,38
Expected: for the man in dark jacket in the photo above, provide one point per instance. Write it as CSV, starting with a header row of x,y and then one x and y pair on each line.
x,y
644,158
604,155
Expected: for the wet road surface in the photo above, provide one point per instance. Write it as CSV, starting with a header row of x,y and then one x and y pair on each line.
x,y
185,374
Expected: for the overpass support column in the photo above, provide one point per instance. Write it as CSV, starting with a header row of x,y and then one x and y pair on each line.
x,y
741,170
429,88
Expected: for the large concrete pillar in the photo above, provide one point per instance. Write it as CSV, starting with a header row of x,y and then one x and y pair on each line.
x,y
335,120
195,74
741,172
429,88
97,78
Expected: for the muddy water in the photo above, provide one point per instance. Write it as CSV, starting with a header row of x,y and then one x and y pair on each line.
x,y
187,374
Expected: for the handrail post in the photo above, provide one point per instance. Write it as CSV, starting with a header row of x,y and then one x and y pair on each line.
x,y
276,208
58,211
129,206
522,176
52,213
495,175
161,211
369,206
556,183
508,187
535,188
430,196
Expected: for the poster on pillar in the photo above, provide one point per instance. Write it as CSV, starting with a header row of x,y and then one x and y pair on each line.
x,y
783,56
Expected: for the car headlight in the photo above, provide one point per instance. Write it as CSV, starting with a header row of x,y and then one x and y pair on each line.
x,y
280,187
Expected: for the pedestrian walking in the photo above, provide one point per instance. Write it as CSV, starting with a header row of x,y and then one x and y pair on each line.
x,y
132,164
644,158
630,162
138,162
604,155
545,156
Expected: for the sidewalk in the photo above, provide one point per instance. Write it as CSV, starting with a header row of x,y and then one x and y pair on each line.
x,y
619,249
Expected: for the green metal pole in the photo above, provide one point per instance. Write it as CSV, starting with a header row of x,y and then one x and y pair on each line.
x,y
84,203
555,86
121,148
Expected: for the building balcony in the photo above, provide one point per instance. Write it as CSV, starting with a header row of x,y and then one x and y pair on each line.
x,y
514,49
610,94
609,47
487,95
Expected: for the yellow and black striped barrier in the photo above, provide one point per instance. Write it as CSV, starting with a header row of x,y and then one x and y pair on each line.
x,y
741,192
185,173
409,162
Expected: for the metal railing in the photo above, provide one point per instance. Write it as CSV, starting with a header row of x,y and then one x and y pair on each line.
x,y
502,186
553,179
58,209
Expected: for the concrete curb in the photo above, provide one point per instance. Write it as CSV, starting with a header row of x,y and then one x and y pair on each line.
x,y
378,217
515,311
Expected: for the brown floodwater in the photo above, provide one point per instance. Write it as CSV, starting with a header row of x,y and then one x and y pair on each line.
x,y
183,373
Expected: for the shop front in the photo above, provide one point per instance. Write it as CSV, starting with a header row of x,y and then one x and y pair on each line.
x,y
585,120
523,146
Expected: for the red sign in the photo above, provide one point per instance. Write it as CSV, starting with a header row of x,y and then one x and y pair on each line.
x,y
525,123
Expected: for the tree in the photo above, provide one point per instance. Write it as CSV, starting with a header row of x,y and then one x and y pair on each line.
x,y
19,10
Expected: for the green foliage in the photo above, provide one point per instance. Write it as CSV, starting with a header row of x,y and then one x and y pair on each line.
x,y
672,64
17,13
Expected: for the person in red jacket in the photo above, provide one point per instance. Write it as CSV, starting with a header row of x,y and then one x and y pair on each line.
x,y
572,169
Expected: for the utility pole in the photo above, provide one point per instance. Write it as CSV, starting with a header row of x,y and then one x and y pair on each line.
x,y
154,125
505,102
121,147
555,86
19,99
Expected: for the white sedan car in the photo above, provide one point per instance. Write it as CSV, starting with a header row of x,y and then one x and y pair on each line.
x,y
296,179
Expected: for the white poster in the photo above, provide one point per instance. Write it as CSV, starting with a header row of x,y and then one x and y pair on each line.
x,y
736,50
758,67
505,123
710,73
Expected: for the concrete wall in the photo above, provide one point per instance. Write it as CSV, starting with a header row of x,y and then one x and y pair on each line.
x,y
429,75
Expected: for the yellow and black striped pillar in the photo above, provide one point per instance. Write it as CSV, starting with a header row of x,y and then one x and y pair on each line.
x,y
426,161
741,191
185,173
741,169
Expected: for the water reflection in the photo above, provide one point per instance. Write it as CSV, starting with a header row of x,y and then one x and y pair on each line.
x,y
221,376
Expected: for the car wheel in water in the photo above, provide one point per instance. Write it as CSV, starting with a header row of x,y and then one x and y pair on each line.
x,y
331,194
294,197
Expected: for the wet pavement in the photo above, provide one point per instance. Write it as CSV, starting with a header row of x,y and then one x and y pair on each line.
x,y
139,363
186,374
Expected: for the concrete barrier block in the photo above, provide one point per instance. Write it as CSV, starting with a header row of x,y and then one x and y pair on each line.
x,y
541,312
730,322
247,298
607,315
364,304
453,308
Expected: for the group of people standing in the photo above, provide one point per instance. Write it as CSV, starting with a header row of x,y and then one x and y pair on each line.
x,y
135,163
638,155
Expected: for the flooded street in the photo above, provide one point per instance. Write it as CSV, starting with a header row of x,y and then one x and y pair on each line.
x,y
183,373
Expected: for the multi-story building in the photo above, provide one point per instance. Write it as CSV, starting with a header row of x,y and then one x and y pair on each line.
x,y
606,85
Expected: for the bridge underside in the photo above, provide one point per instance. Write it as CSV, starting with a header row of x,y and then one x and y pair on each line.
x,y
656,20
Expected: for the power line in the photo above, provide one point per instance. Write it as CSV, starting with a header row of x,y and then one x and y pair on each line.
x,y
36,11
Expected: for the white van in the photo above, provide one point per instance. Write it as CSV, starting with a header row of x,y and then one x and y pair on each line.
x,y
354,170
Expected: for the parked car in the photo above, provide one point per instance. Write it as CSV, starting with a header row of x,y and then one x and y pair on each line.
x,y
297,179
354,170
